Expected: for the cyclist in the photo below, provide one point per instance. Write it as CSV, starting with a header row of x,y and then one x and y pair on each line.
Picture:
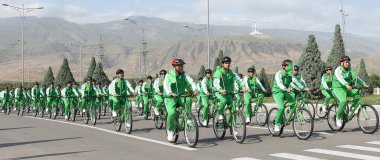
x,y
326,84
175,83
51,94
43,95
251,85
198,103
138,92
282,91
342,83
118,89
206,94
224,83
297,80
158,92
5,100
147,91
35,95
19,98
89,92
67,96
238,102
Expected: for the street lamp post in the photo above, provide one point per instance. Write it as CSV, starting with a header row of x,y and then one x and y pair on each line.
x,y
208,33
196,32
143,51
80,45
23,11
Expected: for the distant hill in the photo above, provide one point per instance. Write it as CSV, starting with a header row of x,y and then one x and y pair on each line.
x,y
47,43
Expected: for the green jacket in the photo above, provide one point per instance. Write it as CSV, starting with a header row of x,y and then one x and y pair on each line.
x,y
298,82
88,90
120,87
36,92
148,88
67,92
206,86
158,85
177,83
226,80
326,82
281,81
345,77
50,92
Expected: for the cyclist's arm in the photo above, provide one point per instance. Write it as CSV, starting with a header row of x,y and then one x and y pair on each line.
x,y
279,82
130,88
259,83
204,86
155,85
245,83
339,76
167,87
238,80
303,82
111,88
190,81
360,82
143,87
324,83
296,84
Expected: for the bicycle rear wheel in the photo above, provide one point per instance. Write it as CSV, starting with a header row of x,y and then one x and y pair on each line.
x,y
200,117
238,126
219,126
303,124
128,122
271,122
331,118
191,130
309,106
318,109
262,115
368,119
158,121
93,116
117,123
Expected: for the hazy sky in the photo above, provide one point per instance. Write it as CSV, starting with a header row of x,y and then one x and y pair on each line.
x,y
315,15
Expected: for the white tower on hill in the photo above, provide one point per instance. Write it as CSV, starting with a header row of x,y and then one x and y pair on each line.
x,y
254,29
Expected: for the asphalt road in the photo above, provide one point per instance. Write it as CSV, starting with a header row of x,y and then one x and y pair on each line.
x,y
40,138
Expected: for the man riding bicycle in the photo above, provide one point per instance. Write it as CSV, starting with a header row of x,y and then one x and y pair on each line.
x,y
175,83
198,103
251,85
147,89
282,91
67,96
35,95
206,94
118,89
158,92
326,84
297,80
224,79
342,85
89,93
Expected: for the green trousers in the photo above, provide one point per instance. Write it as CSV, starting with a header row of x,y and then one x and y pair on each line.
x,y
67,102
4,103
159,101
206,105
110,102
259,97
238,100
224,100
49,102
118,101
86,101
20,103
198,103
146,104
341,94
171,104
328,95
279,97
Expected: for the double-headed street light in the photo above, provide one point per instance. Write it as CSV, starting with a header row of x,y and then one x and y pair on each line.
x,y
23,11
196,33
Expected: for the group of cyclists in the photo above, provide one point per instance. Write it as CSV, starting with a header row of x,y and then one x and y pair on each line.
x,y
218,96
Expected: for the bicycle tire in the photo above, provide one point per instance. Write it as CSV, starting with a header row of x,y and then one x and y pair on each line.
x,y
219,126
376,118
298,119
238,123
264,111
331,118
128,119
271,122
193,126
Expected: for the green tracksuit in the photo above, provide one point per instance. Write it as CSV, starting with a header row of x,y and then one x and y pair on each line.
x,y
176,83
326,84
158,88
36,97
237,89
341,79
51,94
147,89
118,89
5,100
253,84
67,94
138,91
206,87
198,103
224,80
282,82
88,95
19,99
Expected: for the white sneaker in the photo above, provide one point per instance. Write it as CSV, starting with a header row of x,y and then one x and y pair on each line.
x,y
276,128
47,110
114,114
127,125
247,119
170,136
34,108
66,117
189,122
324,108
220,117
235,133
156,112
2,111
204,123
14,109
339,122
84,110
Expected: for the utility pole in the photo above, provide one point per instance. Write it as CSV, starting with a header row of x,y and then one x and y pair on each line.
x,y
344,15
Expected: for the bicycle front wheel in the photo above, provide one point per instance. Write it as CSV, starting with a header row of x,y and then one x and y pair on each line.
x,y
128,122
331,118
309,106
93,116
238,127
262,115
191,130
200,117
303,124
368,119
219,126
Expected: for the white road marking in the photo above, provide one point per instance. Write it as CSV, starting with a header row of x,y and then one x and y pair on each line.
x,y
374,142
120,133
343,154
244,158
362,148
294,156
289,130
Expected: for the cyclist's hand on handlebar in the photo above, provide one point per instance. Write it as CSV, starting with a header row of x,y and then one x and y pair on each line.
x,y
173,95
195,93
288,90
209,94
366,86
223,91
307,89
159,93
349,87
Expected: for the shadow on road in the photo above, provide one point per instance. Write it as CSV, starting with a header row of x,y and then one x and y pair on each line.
x,y
33,142
49,155
5,129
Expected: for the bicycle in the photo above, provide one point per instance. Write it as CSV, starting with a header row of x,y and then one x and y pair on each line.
x,y
298,114
90,114
304,103
233,119
124,115
365,113
151,104
318,107
188,123
212,108
261,113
